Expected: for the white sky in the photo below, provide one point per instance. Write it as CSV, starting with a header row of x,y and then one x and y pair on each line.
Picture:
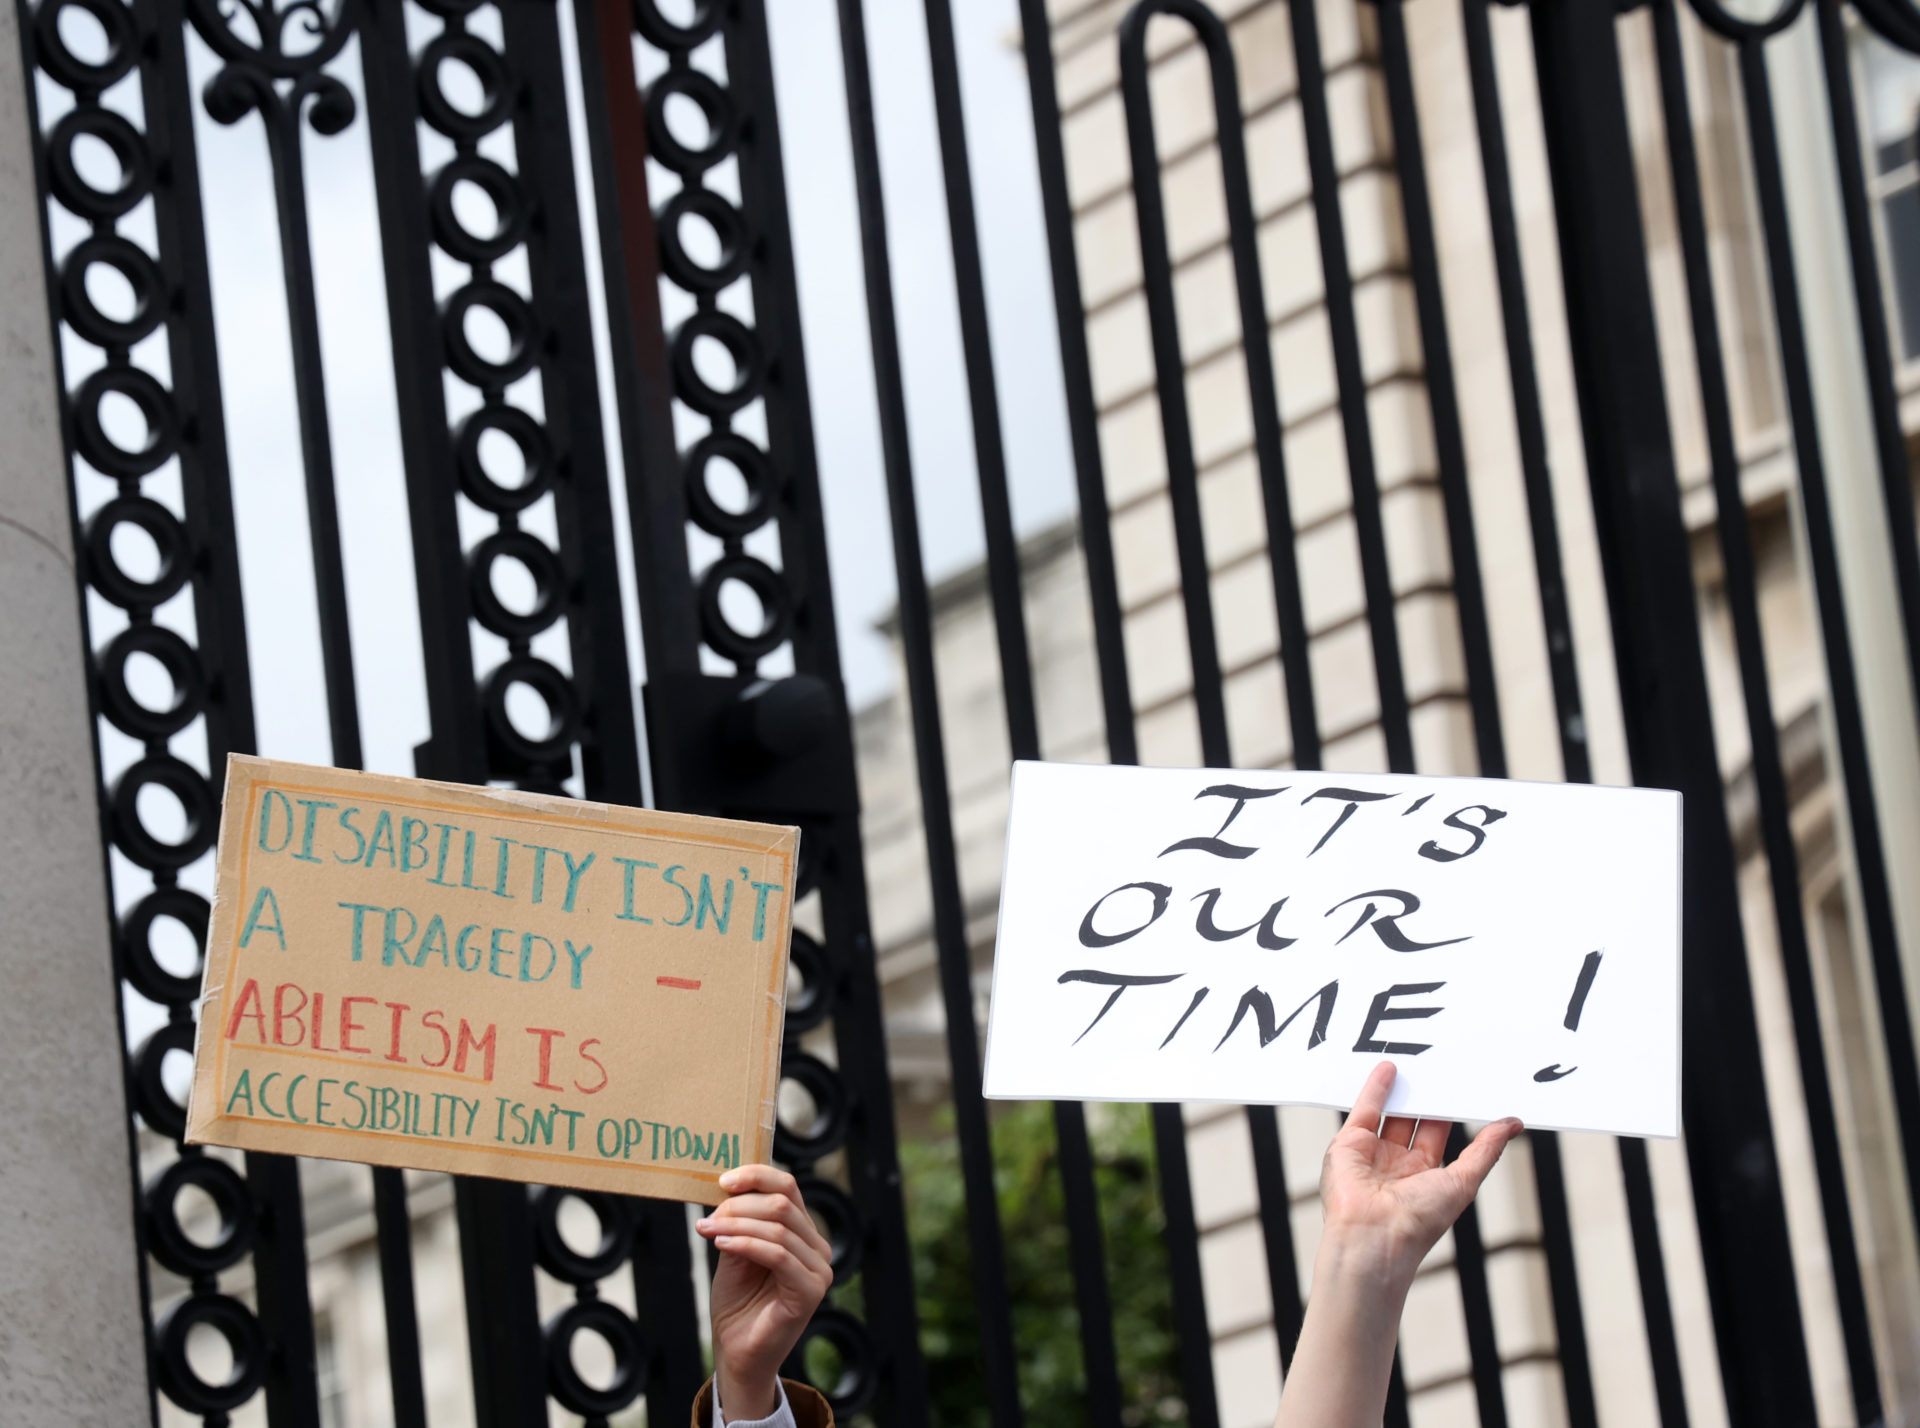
x,y
256,367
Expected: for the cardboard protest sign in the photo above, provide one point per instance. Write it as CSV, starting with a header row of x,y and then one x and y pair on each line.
x,y
1267,937
491,982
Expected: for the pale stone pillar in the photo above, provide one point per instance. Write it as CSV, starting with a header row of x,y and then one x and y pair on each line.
x,y
71,1340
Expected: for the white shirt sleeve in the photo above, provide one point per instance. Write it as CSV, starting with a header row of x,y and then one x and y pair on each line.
x,y
781,1417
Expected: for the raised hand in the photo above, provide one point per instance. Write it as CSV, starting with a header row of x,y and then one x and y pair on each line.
x,y
1387,1185
1388,1196
775,1268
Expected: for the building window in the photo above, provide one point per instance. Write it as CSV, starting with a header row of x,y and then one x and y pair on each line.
x,y
1892,102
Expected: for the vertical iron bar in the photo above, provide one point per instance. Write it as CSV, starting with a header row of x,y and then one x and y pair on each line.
x,y
1170,382
1775,804
1863,816
455,748
1096,541
610,759
916,624
1183,490
1324,174
1476,644
280,1255
1643,1220
1083,418
281,119
658,486
1896,476
1576,767
1644,555
873,1159
643,390
1099,1359
1530,428
503,1329
393,1228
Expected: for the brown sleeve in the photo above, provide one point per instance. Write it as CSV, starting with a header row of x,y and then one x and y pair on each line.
x,y
810,1409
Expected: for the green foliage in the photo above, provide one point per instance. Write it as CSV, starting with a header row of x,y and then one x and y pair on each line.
x,y
1046,1328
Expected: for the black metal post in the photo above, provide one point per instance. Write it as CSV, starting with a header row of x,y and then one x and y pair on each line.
x,y
1636,502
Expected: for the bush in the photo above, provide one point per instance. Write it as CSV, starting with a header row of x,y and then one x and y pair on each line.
x,y
1046,1326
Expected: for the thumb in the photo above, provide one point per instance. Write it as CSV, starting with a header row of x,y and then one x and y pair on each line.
x,y
1483,1152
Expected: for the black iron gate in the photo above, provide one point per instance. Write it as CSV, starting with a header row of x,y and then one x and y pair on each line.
x,y
492,330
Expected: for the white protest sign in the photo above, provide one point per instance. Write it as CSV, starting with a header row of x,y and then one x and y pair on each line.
x,y
1267,937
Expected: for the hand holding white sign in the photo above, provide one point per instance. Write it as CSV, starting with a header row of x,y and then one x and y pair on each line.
x,y
1194,935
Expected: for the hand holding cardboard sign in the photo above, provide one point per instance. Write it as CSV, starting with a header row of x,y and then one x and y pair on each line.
x,y
775,1268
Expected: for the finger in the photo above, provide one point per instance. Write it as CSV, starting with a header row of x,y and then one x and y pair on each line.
x,y
765,1179
772,1207
792,1276
786,1267
1398,1130
1430,1141
729,1227
1482,1153
1371,1103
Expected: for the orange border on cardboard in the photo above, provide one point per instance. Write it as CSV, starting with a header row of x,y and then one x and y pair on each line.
x,y
769,1071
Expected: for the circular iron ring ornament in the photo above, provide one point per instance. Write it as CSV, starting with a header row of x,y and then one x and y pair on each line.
x,y
621,1334
830,1110
742,346
536,458
155,405
1713,14
182,666
554,689
744,647
169,1239
122,140
438,108
841,1222
523,330
665,34
858,1378
169,537
715,106
728,227
197,803
324,35
814,1004
755,471
142,275
150,1096
138,959
84,76
561,1259
503,192
235,1323
540,562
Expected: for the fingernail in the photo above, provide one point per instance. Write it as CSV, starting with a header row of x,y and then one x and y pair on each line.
x,y
705,1222
727,1180
723,1240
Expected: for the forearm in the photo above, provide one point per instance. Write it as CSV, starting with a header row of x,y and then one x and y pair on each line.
x,y
1345,1355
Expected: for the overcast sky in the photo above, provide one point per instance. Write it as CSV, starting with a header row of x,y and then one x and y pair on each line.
x,y
256,368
